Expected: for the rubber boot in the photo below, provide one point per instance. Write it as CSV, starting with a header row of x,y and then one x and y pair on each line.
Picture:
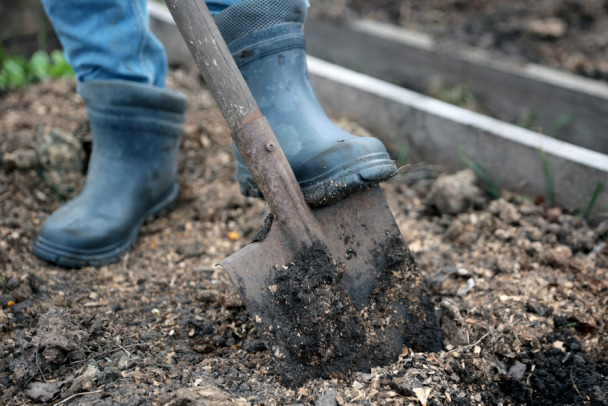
x,y
131,177
266,40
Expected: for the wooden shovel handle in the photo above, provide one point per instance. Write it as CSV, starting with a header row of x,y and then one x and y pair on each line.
x,y
250,130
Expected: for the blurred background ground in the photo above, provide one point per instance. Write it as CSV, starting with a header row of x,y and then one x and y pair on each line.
x,y
570,35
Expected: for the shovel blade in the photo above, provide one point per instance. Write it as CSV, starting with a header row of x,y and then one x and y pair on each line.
x,y
324,314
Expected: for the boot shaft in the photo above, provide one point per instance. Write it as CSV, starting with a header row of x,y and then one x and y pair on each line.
x,y
136,131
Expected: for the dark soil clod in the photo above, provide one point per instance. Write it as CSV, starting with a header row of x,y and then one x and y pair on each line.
x,y
319,330
560,377
315,327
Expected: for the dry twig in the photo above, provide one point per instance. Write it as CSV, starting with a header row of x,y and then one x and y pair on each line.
x,y
38,365
466,347
76,395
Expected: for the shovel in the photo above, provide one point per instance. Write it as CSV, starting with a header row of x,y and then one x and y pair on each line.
x,y
331,290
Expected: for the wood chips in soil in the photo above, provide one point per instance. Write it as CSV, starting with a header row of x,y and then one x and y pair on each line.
x,y
521,290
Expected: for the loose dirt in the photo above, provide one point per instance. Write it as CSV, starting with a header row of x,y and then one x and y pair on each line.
x,y
521,290
314,320
321,329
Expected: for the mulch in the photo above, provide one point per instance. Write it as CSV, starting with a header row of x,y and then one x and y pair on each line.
x,y
521,289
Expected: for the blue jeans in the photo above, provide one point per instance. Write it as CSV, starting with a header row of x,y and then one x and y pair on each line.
x,y
111,39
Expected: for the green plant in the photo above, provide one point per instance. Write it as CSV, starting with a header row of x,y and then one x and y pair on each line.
x,y
16,71
458,94
559,123
404,155
596,192
548,177
492,188
528,120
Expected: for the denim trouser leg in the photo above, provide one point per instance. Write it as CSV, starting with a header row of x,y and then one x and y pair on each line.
x,y
111,39
215,6
108,39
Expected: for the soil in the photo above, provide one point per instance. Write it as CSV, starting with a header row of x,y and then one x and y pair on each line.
x,y
571,35
520,288
320,328
314,319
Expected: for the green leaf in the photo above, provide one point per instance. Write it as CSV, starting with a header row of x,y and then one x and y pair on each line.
x,y
57,57
3,80
40,65
17,72
548,177
559,123
60,68
492,188
14,68
596,192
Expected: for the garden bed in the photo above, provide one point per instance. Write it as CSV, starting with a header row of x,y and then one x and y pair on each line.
x,y
521,288
418,128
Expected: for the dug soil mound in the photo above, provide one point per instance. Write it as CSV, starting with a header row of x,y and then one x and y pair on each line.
x,y
521,289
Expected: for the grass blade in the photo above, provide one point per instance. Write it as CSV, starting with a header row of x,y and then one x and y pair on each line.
x,y
490,185
596,192
548,178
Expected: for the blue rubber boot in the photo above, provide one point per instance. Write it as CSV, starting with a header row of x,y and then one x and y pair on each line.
x,y
131,177
266,39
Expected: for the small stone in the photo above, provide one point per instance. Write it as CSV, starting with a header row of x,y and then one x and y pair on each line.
x,y
20,159
13,283
43,391
456,193
558,256
328,399
108,375
573,346
5,299
602,228
254,345
219,341
578,359
207,295
517,370
61,158
505,211
504,264
550,28
3,318
532,306
127,362
553,213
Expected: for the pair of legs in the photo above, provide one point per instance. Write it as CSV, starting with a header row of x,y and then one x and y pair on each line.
x,y
137,122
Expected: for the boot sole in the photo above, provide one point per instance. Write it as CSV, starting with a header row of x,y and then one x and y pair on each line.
x,y
331,186
70,258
